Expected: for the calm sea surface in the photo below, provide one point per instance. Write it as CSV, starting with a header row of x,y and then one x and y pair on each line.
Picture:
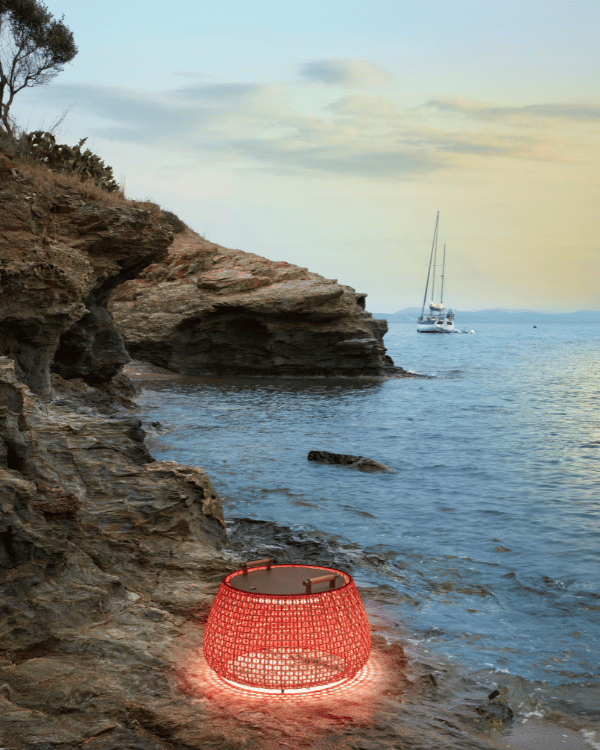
x,y
486,534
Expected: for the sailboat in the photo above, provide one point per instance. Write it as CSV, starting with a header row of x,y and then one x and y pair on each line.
x,y
436,320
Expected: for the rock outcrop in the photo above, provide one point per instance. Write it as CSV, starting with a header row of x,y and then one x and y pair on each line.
x,y
209,310
104,554
62,252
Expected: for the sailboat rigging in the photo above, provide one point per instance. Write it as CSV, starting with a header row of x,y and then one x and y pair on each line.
x,y
436,320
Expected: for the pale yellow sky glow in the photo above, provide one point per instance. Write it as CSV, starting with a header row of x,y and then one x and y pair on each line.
x,y
331,137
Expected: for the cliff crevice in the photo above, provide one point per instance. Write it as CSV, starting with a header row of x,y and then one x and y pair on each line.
x,y
62,252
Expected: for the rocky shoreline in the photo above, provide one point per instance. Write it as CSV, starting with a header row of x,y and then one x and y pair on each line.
x,y
108,559
103,551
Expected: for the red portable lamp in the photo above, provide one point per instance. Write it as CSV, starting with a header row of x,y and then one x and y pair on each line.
x,y
286,627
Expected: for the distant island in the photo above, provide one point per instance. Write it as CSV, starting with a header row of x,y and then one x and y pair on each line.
x,y
497,315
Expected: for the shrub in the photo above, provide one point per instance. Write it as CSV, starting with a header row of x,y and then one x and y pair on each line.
x,y
173,221
41,146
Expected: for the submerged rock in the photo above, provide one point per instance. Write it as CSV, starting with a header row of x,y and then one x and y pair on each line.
x,y
210,310
493,711
352,462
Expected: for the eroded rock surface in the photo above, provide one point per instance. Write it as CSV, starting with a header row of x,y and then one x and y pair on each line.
x,y
210,310
61,255
104,553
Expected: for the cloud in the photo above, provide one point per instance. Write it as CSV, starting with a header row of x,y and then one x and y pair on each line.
x,y
481,111
365,106
350,73
336,159
462,145
252,122
255,125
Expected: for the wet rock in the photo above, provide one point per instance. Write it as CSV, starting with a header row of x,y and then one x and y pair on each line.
x,y
115,396
359,463
210,310
493,710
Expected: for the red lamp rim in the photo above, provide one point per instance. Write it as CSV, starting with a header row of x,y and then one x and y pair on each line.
x,y
347,582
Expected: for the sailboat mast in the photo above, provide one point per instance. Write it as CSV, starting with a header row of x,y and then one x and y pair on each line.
x,y
434,271
433,246
443,274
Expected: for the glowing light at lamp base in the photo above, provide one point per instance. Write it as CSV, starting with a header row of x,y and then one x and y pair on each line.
x,y
285,691
200,678
282,669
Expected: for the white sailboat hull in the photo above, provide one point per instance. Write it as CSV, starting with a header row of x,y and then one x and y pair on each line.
x,y
442,326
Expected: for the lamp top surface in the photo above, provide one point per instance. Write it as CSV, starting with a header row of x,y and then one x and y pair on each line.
x,y
285,580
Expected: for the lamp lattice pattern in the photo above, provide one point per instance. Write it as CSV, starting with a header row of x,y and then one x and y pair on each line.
x,y
283,642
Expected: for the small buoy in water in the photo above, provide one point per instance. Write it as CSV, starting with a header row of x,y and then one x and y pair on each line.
x,y
471,331
535,326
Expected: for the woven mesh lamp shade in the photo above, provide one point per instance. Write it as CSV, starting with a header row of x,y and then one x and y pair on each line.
x,y
287,627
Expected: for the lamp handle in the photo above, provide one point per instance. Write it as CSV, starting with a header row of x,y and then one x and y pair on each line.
x,y
256,563
320,579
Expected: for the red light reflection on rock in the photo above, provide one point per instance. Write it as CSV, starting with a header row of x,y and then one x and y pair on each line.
x,y
292,721
350,702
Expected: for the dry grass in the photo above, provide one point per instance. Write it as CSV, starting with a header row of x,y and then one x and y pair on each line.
x,y
49,183
153,209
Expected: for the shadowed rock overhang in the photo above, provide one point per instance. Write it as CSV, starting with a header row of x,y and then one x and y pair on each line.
x,y
208,310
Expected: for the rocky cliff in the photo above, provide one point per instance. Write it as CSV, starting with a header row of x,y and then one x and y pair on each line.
x,y
206,309
108,559
99,543
62,252
104,556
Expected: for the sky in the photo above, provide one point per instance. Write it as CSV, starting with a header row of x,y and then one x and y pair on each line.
x,y
329,134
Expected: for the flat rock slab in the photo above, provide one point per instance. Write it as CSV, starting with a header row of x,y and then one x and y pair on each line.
x,y
360,463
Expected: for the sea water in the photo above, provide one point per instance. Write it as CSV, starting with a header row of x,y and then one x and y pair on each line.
x,y
486,534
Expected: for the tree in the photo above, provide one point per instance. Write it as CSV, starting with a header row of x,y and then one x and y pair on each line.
x,y
34,47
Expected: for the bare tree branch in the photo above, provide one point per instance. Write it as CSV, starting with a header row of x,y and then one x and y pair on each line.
x,y
34,48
